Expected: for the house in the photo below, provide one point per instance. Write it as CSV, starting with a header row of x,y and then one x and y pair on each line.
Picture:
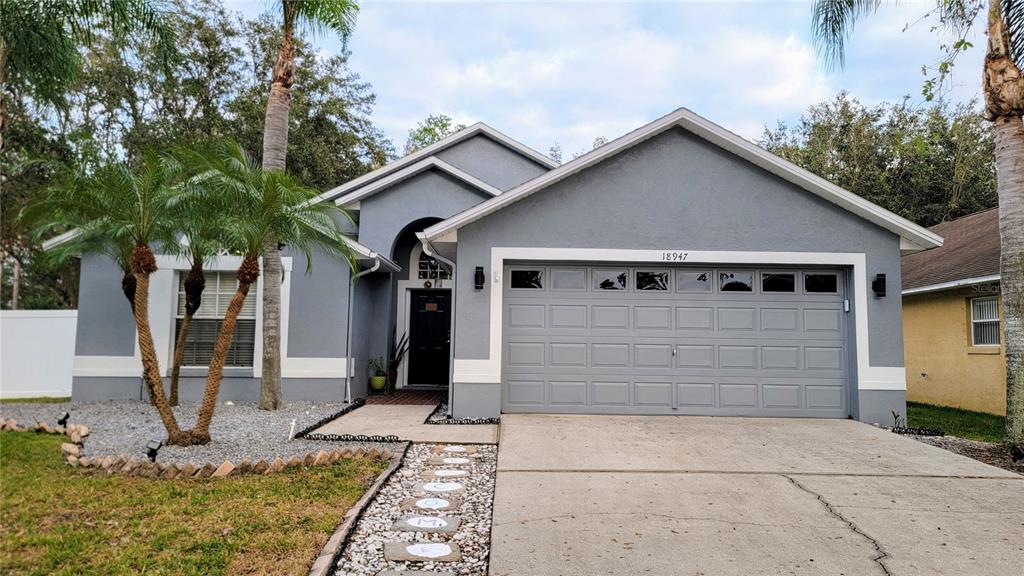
x,y
676,270
952,314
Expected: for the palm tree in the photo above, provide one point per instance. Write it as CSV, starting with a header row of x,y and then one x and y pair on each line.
x,y
1003,85
39,41
113,209
320,15
264,204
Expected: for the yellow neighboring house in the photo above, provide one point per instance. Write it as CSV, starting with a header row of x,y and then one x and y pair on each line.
x,y
952,318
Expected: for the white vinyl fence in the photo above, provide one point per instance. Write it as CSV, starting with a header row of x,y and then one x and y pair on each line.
x,y
37,351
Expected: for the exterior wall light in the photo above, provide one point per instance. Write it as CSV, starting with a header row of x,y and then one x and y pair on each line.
x,y
878,285
478,278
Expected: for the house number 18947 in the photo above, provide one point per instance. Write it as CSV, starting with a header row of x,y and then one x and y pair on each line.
x,y
674,256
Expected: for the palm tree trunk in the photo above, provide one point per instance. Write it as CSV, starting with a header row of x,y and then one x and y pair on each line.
x,y
248,272
195,283
275,150
270,381
1004,104
143,265
1010,183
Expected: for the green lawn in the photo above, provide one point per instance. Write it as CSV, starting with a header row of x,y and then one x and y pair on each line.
x,y
956,422
58,520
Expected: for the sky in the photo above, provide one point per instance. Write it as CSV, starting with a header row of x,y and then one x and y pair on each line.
x,y
569,72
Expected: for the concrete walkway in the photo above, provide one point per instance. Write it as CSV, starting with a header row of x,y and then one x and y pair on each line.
x,y
406,422
678,495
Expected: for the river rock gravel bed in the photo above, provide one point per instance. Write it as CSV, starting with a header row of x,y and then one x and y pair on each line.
x,y
990,453
239,430
364,553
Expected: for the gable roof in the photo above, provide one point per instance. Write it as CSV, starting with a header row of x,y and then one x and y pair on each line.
x,y
408,172
461,136
969,255
913,237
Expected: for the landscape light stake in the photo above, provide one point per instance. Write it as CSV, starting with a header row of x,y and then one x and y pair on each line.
x,y
152,448
63,420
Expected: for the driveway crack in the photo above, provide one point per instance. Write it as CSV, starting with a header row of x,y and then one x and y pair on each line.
x,y
882,555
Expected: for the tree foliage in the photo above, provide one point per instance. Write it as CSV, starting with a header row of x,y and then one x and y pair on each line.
x,y
927,164
436,127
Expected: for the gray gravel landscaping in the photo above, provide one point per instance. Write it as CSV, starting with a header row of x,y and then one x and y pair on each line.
x,y
239,430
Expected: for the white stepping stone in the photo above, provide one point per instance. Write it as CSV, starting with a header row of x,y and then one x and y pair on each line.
x,y
455,449
435,524
440,487
422,552
413,573
456,460
431,503
443,473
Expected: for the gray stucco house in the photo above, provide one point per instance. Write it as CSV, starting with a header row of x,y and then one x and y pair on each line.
x,y
676,270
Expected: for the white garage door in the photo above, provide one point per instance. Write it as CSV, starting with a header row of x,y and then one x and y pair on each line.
x,y
612,339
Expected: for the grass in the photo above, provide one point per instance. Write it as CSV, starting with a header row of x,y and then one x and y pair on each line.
x,y
37,400
58,520
957,422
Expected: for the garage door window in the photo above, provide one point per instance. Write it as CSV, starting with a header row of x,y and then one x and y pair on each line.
x,y
821,283
650,280
693,281
609,279
736,281
778,282
568,279
528,279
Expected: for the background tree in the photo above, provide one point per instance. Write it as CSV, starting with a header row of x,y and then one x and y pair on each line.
x,y
260,204
436,127
319,15
928,164
1003,88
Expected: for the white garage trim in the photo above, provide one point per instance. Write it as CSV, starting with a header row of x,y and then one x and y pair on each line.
x,y
488,371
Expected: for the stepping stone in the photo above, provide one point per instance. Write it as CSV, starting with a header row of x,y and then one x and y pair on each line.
x,y
413,573
431,503
439,488
443,474
422,552
435,524
454,449
450,461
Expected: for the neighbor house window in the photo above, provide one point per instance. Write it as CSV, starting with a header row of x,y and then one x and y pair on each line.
x,y
651,280
528,279
736,281
985,321
429,269
205,327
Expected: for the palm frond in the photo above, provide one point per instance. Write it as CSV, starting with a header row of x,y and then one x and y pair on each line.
x,y
832,24
1013,17
321,16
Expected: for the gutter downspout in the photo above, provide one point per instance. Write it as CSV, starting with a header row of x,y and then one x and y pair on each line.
x,y
451,348
348,323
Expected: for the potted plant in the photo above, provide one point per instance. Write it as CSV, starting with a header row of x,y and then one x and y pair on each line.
x,y
378,377
395,357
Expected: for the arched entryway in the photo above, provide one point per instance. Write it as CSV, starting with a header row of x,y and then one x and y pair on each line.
x,y
422,302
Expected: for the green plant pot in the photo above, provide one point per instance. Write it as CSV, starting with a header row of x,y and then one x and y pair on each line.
x,y
378,382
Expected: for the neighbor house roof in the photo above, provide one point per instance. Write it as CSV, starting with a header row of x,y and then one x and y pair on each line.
x,y
462,135
913,237
970,255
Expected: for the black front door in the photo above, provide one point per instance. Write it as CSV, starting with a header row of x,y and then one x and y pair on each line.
x,y
430,337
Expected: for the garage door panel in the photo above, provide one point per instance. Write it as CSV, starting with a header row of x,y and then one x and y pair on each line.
x,y
576,350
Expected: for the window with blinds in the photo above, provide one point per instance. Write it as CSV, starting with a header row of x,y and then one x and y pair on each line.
x,y
205,327
985,321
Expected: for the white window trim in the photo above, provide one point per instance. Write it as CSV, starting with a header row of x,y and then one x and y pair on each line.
x,y
997,320
488,370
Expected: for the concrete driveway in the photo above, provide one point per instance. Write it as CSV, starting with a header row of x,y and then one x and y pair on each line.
x,y
708,496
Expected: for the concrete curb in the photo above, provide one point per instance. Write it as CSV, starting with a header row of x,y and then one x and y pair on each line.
x,y
336,544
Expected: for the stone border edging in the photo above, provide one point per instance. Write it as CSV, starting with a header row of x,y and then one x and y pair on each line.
x,y
336,544
125,465
351,406
434,420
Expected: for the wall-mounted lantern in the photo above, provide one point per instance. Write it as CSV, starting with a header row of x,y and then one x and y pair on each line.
x,y
878,285
478,278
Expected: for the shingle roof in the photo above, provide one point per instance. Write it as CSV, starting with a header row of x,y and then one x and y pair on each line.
x,y
970,250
